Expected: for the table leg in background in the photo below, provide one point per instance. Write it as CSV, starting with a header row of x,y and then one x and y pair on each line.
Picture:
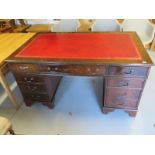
x,y
8,91
153,45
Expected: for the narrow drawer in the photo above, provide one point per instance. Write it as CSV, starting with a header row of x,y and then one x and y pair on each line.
x,y
36,97
125,82
128,71
32,88
24,68
75,69
30,79
122,98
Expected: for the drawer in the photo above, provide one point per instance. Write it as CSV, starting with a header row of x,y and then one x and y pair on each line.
x,y
75,69
122,98
32,88
24,68
121,103
128,71
29,79
125,82
36,97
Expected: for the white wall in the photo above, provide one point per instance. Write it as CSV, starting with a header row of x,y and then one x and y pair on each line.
x,y
38,21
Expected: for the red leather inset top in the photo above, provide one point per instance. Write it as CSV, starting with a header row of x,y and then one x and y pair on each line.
x,y
100,46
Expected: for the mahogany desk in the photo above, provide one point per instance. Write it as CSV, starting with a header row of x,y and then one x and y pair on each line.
x,y
8,44
119,58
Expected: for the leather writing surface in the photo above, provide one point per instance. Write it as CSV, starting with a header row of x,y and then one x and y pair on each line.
x,y
98,46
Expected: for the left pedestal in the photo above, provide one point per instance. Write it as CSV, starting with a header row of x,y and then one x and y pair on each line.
x,y
35,88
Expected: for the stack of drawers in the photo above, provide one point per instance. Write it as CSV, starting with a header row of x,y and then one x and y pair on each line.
x,y
123,88
34,86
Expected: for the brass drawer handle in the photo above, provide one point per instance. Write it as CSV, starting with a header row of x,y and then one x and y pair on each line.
x,y
76,69
122,103
31,88
23,67
34,88
128,72
64,69
97,69
35,97
56,68
122,96
88,69
124,84
30,80
50,68
28,87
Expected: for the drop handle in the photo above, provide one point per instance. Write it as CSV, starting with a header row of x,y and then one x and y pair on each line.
x,y
124,84
34,88
52,68
122,96
64,69
23,67
36,97
28,87
49,68
120,103
29,80
128,72
88,69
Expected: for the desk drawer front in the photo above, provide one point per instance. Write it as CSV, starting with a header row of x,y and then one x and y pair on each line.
x,y
30,79
75,69
117,103
32,88
118,97
122,93
24,68
128,71
36,97
125,82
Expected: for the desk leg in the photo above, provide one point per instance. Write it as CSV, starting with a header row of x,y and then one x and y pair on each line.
x,y
7,89
153,45
107,110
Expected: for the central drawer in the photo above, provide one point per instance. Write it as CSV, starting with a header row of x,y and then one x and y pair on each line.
x,y
74,69
119,97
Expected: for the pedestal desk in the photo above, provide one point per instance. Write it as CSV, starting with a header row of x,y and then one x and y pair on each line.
x,y
9,43
119,57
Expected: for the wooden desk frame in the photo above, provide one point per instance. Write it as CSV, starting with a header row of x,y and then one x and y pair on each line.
x,y
35,75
